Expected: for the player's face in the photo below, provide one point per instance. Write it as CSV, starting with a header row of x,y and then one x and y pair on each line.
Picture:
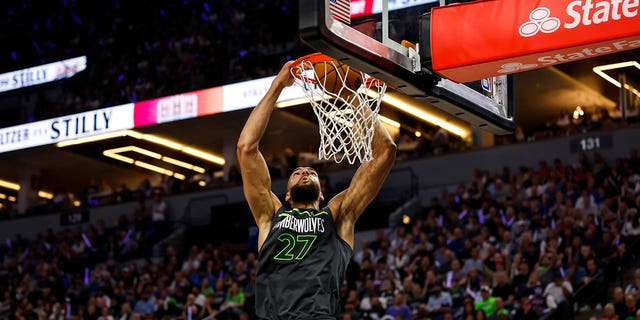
x,y
304,185
303,176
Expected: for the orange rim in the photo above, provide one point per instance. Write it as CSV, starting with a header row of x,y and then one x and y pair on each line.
x,y
313,58
319,57
373,82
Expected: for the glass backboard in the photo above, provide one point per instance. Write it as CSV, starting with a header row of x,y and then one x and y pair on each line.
x,y
369,37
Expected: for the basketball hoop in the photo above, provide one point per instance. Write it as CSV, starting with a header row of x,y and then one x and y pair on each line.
x,y
346,102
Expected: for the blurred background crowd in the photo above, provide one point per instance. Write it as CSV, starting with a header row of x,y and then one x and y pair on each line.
x,y
552,241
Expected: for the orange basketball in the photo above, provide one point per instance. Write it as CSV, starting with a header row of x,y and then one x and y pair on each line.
x,y
334,76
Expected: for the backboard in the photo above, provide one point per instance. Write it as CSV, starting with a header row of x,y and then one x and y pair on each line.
x,y
369,38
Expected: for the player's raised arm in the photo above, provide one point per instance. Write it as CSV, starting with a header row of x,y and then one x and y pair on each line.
x,y
365,184
255,174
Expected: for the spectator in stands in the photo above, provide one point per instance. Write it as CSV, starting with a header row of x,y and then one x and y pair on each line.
x,y
146,304
159,212
618,300
364,253
608,253
634,286
233,304
563,121
104,314
474,262
437,299
481,315
498,190
631,227
501,312
124,194
374,309
502,288
400,259
399,308
526,311
486,302
630,307
557,295
609,312
595,277
586,203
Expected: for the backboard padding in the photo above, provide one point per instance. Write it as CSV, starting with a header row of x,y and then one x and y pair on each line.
x,y
357,47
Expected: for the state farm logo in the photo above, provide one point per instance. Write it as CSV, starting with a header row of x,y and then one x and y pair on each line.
x,y
580,13
540,20
513,67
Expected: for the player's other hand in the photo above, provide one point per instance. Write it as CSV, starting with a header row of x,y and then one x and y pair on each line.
x,y
284,77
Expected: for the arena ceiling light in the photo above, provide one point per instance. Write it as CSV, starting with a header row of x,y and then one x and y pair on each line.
x,y
10,198
45,195
448,123
430,115
600,70
9,185
183,164
94,138
115,153
172,144
158,169
203,155
158,140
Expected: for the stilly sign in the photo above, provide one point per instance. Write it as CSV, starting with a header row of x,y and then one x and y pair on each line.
x,y
482,39
66,128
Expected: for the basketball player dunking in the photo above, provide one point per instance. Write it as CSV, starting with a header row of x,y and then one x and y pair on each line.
x,y
304,251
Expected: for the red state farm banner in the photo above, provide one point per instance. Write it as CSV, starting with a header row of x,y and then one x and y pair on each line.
x,y
482,39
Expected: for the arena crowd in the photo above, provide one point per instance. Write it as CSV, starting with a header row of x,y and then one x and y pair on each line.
x,y
516,244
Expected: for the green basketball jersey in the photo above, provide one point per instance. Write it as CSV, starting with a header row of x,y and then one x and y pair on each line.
x,y
301,266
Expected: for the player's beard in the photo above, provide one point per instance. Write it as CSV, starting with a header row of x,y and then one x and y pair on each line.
x,y
305,193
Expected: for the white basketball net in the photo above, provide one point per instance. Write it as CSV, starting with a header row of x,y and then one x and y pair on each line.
x,y
346,116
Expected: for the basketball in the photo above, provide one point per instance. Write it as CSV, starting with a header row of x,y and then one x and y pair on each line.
x,y
334,76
